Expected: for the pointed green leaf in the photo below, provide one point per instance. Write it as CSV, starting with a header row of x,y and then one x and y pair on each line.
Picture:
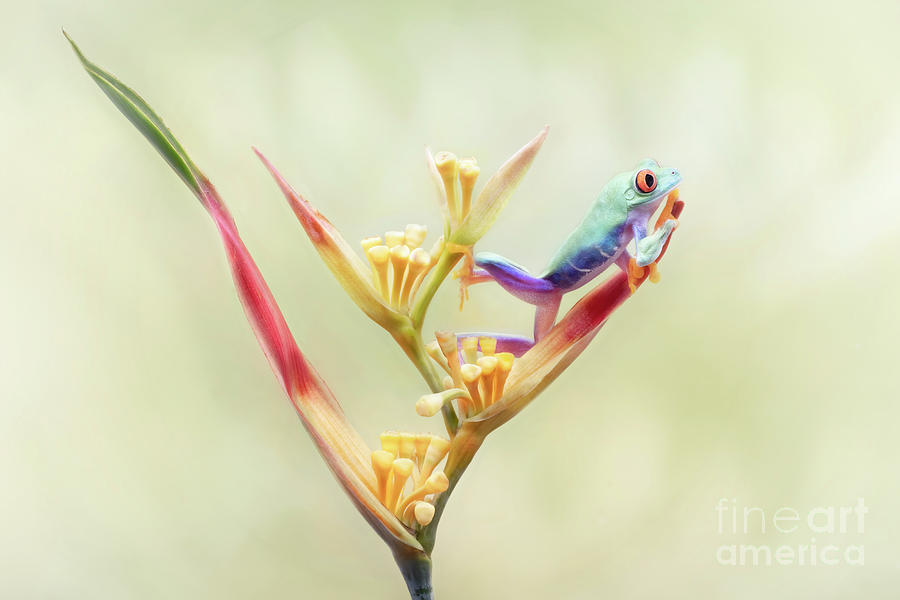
x,y
147,122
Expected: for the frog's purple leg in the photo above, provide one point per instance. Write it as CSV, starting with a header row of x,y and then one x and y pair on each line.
x,y
514,344
477,276
545,315
516,280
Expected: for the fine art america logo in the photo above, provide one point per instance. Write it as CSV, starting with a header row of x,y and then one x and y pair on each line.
x,y
820,536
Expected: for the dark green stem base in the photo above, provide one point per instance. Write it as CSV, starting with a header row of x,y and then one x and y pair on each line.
x,y
416,571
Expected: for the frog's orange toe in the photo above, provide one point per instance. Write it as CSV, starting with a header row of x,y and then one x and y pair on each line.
x,y
635,274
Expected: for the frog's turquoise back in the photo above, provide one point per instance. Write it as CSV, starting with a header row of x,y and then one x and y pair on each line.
x,y
592,247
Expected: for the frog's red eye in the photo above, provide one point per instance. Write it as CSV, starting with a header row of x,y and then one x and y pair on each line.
x,y
645,181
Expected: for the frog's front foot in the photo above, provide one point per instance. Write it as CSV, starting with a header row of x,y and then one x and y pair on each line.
x,y
467,278
648,251
650,247
467,274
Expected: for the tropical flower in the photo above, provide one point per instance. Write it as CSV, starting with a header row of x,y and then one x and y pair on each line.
x,y
340,445
398,264
477,382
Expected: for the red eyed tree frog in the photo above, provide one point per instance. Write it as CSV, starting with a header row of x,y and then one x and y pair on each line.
x,y
619,215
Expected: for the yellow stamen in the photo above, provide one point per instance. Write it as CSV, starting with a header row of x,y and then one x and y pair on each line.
x,y
488,345
488,365
462,398
399,264
370,242
399,260
471,374
378,258
401,469
407,461
390,442
423,440
436,250
433,349
381,464
504,365
447,342
448,166
436,452
407,445
654,273
419,263
468,173
464,406
470,349
394,238
435,484
424,513
415,235
429,404
406,512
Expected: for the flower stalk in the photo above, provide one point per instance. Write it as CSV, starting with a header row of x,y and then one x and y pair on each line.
x,y
477,382
340,445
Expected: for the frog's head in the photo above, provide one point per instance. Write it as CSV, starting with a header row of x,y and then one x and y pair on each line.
x,y
642,188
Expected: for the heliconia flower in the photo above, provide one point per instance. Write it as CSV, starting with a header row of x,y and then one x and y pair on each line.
x,y
474,379
398,264
360,471
337,254
468,219
401,487
406,475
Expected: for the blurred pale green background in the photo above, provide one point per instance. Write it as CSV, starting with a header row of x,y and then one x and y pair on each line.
x,y
147,451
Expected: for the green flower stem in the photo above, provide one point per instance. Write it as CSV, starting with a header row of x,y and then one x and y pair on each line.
x,y
416,570
467,439
410,339
443,267
411,342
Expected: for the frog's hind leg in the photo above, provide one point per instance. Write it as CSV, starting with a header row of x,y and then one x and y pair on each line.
x,y
545,315
515,279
